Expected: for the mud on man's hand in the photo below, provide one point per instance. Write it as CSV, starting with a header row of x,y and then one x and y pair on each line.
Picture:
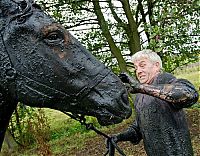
x,y
131,84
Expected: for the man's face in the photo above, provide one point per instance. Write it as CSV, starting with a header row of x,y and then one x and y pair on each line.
x,y
146,70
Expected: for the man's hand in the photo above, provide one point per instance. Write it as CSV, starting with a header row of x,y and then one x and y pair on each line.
x,y
115,138
125,78
133,84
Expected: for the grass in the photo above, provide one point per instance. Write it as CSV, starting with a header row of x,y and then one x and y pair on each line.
x,y
191,73
68,137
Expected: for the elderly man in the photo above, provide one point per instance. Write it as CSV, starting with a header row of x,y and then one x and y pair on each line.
x,y
160,119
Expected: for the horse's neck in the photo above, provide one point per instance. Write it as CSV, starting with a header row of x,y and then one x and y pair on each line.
x,y
7,92
7,106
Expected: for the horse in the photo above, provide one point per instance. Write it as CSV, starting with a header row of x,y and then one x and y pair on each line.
x,y
43,65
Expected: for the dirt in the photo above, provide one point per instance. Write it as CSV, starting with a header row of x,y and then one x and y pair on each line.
x,y
96,146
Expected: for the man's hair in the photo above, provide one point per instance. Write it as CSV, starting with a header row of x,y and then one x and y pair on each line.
x,y
149,54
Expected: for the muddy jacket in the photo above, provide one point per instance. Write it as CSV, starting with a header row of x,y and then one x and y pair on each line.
x,y
160,119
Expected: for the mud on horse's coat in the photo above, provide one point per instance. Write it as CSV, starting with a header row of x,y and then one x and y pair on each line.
x,y
43,65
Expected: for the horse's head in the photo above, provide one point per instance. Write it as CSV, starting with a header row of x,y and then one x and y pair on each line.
x,y
43,65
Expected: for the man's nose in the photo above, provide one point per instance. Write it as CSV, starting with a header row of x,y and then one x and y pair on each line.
x,y
139,70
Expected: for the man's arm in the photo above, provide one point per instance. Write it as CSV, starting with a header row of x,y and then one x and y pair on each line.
x,y
181,93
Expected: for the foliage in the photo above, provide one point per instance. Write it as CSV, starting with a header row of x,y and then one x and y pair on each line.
x,y
29,126
111,29
18,125
176,32
39,128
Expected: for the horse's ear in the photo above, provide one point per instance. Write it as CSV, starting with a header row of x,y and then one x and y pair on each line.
x,y
4,12
9,7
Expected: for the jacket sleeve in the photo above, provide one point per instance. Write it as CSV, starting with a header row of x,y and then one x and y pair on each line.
x,y
132,134
180,93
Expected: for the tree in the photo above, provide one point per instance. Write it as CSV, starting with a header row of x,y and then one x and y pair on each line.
x,y
115,30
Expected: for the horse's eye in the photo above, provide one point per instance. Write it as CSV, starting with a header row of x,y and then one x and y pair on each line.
x,y
54,38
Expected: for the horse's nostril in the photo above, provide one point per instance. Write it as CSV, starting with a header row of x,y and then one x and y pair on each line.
x,y
124,97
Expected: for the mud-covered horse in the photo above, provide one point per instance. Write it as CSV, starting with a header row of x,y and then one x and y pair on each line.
x,y
43,65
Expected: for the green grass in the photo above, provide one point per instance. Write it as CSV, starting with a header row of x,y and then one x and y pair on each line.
x,y
190,73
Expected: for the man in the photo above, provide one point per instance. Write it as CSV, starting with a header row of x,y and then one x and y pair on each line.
x,y
160,120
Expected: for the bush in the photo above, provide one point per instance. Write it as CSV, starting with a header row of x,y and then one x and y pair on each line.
x,y
29,126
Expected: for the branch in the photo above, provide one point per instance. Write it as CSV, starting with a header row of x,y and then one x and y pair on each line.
x,y
105,30
151,5
116,17
140,7
83,22
132,32
76,25
80,30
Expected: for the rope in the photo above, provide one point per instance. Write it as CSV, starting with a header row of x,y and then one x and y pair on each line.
x,y
111,145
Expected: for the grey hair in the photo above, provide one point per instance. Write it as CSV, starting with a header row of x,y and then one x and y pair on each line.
x,y
149,54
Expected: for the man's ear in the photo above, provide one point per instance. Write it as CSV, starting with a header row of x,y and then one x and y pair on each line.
x,y
157,64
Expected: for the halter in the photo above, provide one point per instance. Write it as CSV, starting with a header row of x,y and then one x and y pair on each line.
x,y
75,99
9,70
27,11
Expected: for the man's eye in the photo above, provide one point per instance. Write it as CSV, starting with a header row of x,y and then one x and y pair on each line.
x,y
142,65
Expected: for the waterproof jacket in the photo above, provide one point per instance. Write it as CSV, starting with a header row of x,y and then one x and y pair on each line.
x,y
160,119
